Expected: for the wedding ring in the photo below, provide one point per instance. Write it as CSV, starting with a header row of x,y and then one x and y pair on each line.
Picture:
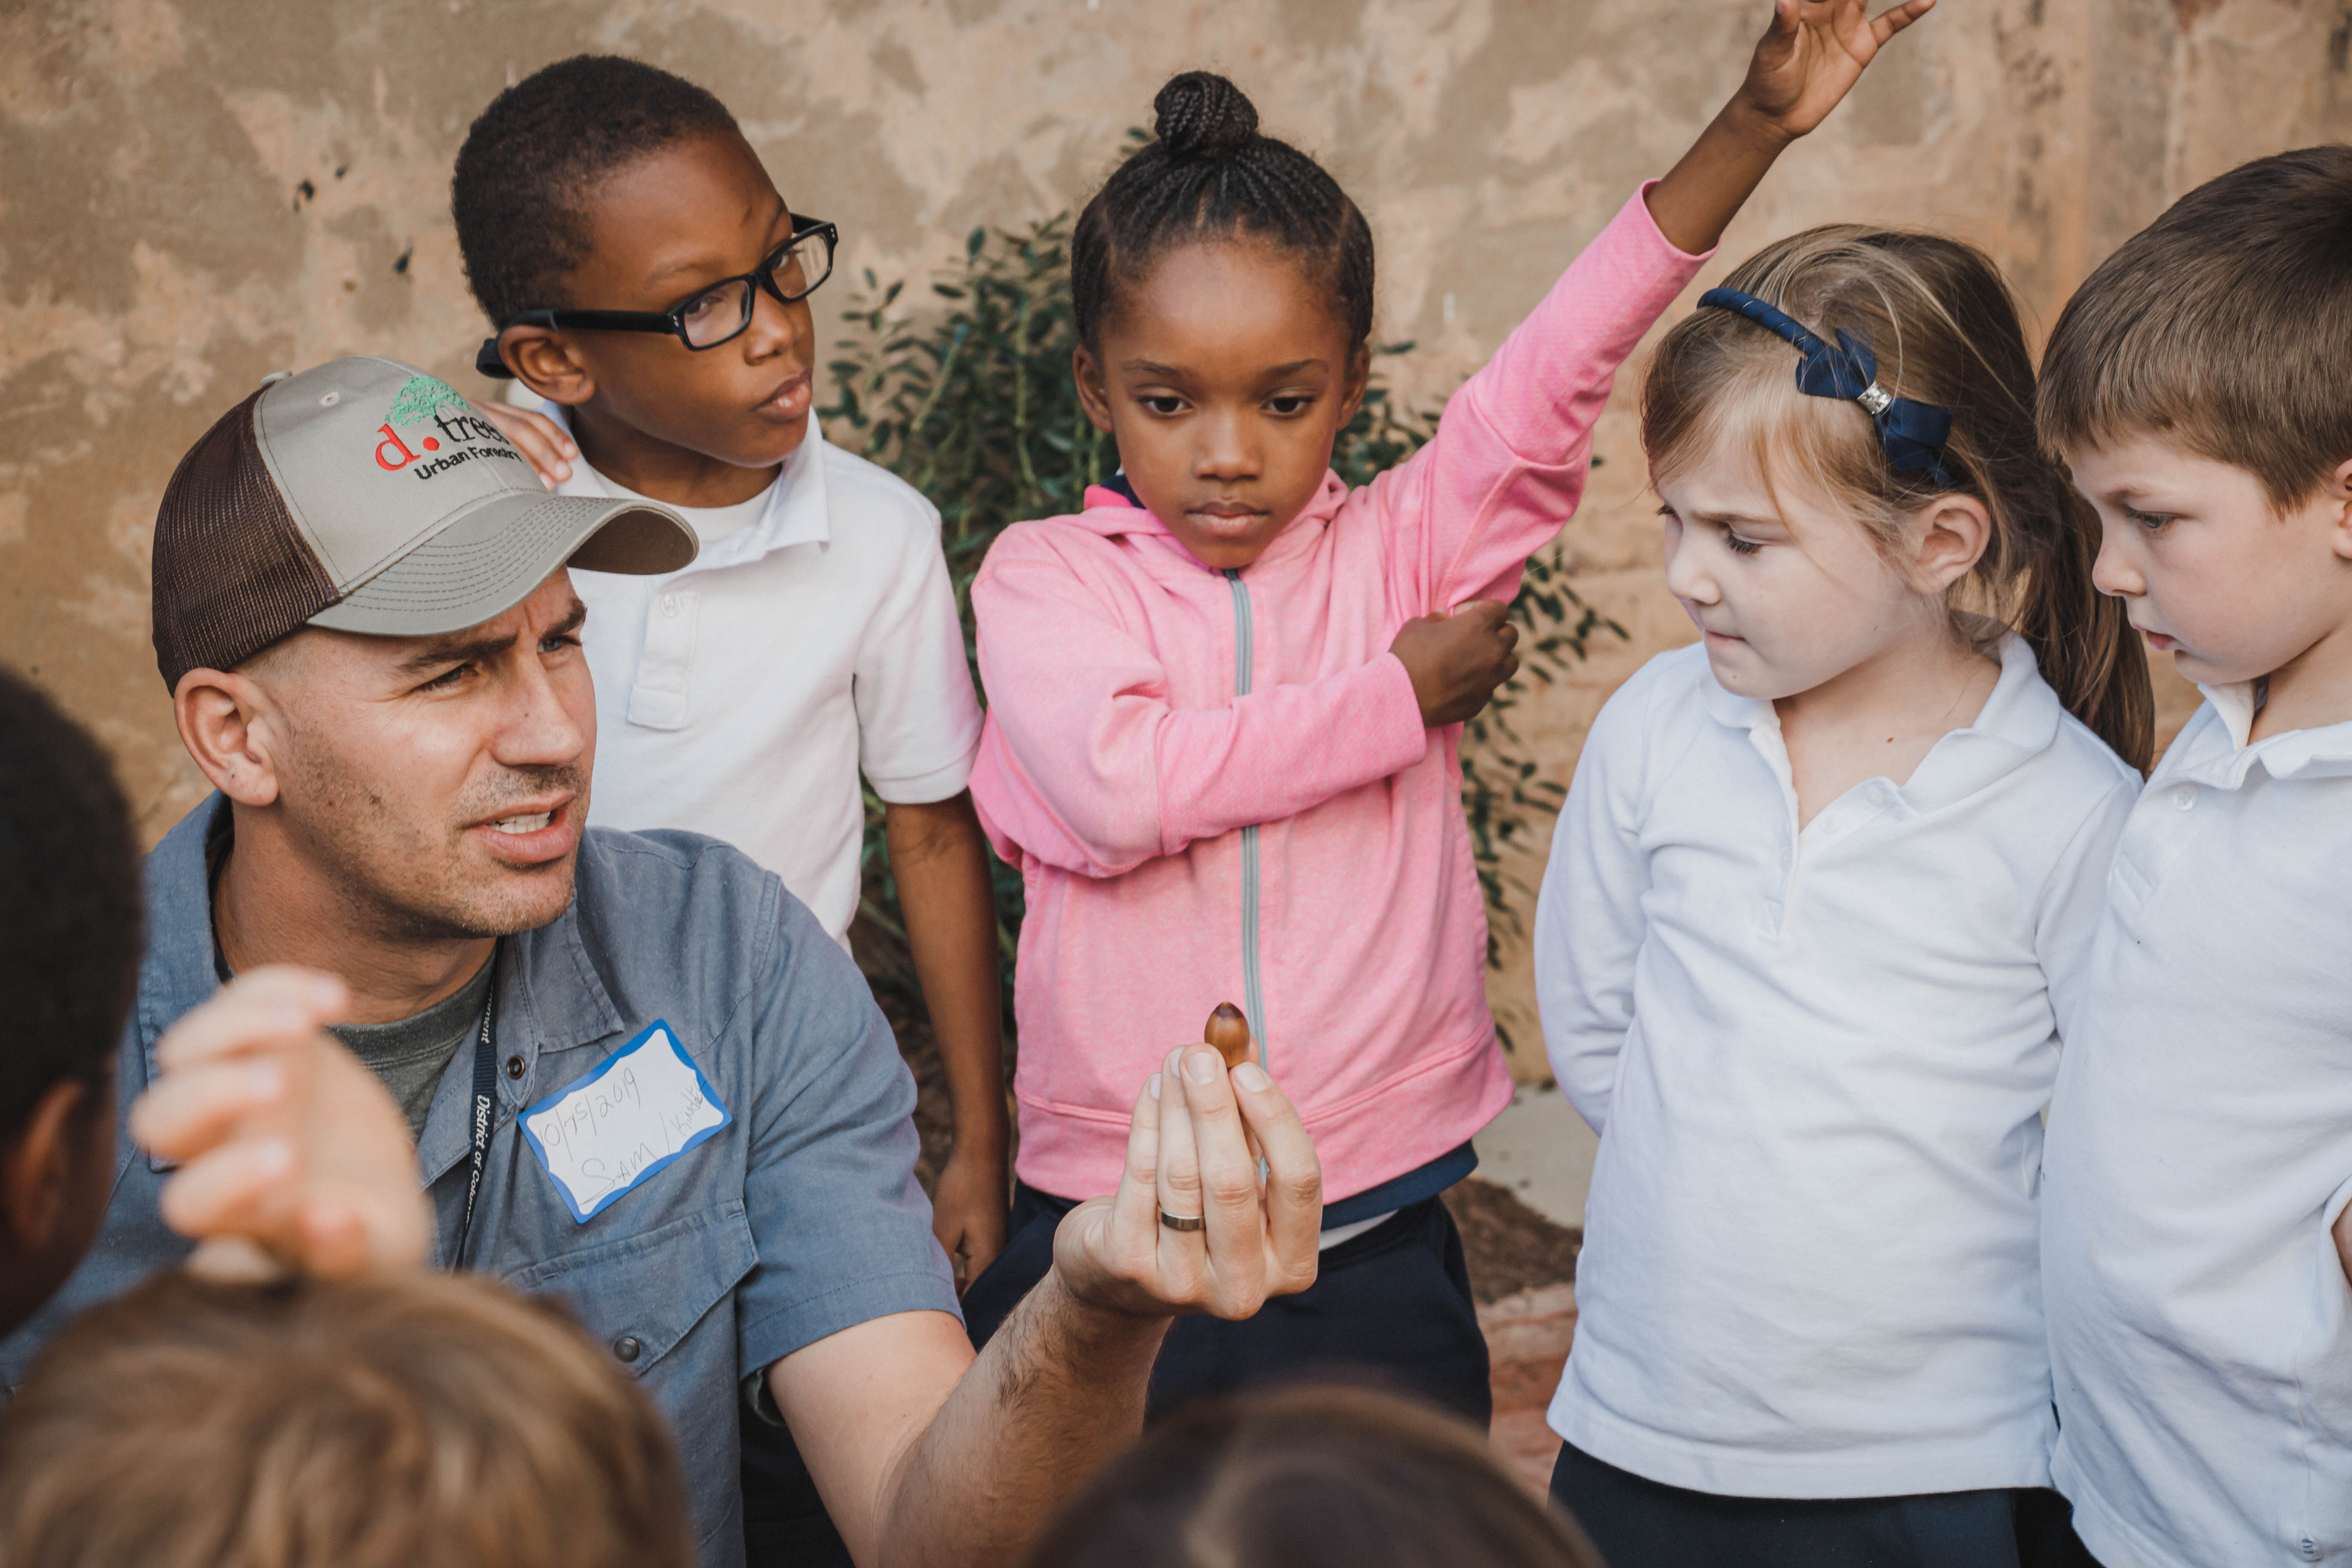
x,y
1178,1222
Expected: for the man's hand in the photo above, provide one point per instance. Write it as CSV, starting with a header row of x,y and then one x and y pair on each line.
x,y
292,1154
968,1211
1189,1156
1457,661
537,437
1811,56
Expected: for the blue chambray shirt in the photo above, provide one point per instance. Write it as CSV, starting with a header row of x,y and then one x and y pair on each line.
x,y
800,1219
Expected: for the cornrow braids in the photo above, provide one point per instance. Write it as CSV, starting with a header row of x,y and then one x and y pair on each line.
x,y
1208,176
533,155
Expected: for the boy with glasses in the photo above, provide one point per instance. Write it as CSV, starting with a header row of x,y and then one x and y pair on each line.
x,y
652,287
650,284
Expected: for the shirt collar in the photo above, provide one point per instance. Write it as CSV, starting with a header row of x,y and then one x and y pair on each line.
x,y
797,511
551,996
2222,754
2020,719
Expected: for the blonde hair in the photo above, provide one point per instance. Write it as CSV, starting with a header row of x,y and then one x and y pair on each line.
x,y
436,1418
1945,332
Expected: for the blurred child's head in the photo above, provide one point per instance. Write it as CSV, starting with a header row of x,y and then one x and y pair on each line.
x,y
1309,1478
1801,551
2199,387
602,184
69,904
428,1419
1223,284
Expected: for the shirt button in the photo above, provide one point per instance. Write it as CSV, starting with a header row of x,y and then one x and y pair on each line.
x,y
669,605
2184,799
2310,1548
514,1066
627,1348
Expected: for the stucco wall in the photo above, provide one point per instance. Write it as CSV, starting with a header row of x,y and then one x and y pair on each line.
x,y
193,194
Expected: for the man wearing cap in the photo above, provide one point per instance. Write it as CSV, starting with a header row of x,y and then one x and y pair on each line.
x,y
640,1076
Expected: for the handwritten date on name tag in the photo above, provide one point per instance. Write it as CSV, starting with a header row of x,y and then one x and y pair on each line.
x,y
645,1106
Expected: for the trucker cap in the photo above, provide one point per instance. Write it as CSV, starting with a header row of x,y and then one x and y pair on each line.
x,y
366,496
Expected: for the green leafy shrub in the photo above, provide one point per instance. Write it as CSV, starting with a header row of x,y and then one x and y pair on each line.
x,y
969,398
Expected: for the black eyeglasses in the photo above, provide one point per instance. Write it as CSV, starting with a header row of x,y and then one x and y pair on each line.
x,y
716,314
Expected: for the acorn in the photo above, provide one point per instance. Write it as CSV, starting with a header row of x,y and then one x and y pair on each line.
x,y
1228,1029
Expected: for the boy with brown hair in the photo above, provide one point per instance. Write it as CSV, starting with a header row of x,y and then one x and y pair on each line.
x,y
432,1418
2196,1247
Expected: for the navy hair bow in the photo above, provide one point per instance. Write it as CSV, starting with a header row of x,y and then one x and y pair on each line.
x,y
1911,434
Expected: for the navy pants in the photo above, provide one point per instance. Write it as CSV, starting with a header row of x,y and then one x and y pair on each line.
x,y
1640,1523
1392,1306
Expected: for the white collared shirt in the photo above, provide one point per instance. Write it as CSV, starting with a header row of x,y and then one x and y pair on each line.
x,y
1818,1062
2201,1148
743,696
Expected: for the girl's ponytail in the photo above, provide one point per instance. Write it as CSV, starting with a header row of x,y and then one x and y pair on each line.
x,y
2083,639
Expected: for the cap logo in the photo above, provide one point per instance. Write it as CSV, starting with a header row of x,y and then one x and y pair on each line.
x,y
424,399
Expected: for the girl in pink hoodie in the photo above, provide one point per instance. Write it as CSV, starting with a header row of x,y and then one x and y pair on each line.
x,y
1225,698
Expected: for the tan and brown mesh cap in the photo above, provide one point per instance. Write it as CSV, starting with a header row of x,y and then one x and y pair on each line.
x,y
368,497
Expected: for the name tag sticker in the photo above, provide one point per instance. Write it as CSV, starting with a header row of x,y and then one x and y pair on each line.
x,y
645,1106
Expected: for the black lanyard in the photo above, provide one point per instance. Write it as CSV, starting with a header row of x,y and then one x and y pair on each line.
x,y
486,1098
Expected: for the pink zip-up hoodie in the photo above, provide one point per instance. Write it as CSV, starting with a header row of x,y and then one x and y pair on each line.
x,y
1218,787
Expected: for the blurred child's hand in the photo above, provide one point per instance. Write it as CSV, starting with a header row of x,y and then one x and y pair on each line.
x,y
968,1211
1812,54
292,1154
1457,661
2344,1243
537,437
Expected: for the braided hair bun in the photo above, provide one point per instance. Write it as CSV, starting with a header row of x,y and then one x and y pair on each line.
x,y
1208,177
1202,115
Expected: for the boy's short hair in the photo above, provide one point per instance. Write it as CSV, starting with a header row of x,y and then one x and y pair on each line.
x,y
69,902
1308,1477
536,152
2224,327
427,1419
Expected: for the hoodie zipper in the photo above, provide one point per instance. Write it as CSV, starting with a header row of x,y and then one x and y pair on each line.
x,y
1253,987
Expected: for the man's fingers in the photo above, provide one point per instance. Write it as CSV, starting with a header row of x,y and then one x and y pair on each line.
x,y
192,1109
1180,1161
1294,1182
1228,1169
1135,1207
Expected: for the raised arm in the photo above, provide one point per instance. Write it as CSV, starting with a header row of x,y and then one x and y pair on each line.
x,y
1089,766
1507,468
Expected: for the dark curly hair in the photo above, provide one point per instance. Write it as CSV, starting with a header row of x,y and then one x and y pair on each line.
x,y
69,902
1209,175
537,151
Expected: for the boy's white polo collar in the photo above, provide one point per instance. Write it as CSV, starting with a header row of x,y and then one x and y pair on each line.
x,y
2020,719
797,512
2222,755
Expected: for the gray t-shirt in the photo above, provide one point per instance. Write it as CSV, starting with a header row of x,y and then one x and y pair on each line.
x,y
411,1054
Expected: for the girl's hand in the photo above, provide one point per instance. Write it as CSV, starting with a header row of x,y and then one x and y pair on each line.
x,y
1457,661
1812,56
537,437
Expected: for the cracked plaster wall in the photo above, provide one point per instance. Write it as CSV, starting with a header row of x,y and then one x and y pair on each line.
x,y
194,194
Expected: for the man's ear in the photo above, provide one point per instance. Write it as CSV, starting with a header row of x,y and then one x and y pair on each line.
x,y
38,1167
543,361
227,725
1094,393
1953,532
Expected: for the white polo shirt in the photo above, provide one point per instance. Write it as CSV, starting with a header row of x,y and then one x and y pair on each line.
x,y
1818,1062
743,696
2200,1148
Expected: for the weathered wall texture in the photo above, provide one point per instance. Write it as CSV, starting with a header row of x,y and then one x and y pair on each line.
x,y
194,194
